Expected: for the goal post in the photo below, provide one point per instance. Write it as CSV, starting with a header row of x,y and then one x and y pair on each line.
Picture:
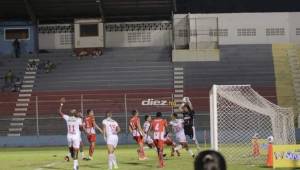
x,y
240,116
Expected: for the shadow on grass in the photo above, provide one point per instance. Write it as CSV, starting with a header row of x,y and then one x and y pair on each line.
x,y
137,163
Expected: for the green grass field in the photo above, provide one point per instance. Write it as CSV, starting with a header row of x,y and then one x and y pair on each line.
x,y
51,158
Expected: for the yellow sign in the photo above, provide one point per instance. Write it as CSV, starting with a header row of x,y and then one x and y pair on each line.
x,y
286,156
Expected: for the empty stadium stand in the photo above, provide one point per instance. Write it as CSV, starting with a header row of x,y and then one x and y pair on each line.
x,y
121,78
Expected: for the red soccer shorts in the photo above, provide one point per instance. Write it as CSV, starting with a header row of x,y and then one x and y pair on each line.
x,y
91,138
139,139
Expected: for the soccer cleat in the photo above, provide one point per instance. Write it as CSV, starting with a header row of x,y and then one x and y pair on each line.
x,y
116,167
67,158
143,159
88,158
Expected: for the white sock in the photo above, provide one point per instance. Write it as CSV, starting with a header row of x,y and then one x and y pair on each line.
x,y
115,160
75,164
69,154
110,161
190,152
178,147
82,154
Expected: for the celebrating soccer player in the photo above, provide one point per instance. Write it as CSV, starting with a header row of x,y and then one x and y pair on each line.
x,y
90,125
159,126
74,125
188,116
178,129
110,132
137,133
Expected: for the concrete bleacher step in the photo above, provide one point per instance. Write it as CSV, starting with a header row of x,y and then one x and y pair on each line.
x,y
23,100
14,134
25,95
17,119
19,114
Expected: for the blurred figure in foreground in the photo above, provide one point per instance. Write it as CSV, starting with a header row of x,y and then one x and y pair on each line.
x,y
210,160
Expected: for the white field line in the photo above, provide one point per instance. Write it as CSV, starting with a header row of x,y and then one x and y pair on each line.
x,y
46,166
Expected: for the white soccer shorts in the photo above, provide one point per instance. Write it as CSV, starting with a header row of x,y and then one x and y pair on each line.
x,y
112,140
74,141
181,138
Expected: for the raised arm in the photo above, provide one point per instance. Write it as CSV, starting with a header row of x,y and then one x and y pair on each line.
x,y
62,101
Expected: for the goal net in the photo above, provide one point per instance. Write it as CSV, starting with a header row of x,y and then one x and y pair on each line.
x,y
241,121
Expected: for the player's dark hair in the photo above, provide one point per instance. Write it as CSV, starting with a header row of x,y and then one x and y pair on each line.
x,y
158,114
108,113
175,115
133,112
146,117
88,111
211,160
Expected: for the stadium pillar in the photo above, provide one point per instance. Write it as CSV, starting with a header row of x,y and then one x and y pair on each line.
x,y
35,23
174,6
126,113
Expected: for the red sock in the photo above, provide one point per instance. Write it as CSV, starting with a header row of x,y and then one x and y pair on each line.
x,y
161,159
91,150
142,152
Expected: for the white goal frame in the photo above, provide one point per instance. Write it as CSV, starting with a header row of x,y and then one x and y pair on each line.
x,y
283,130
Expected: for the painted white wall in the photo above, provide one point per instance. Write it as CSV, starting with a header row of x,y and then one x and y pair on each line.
x,y
159,38
294,23
259,21
88,42
180,25
54,40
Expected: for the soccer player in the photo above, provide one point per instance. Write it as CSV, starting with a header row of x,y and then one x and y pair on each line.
x,y
110,132
74,125
188,116
67,157
147,124
159,126
91,126
137,133
178,129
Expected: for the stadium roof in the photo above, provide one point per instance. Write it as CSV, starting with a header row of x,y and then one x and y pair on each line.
x,y
112,10
133,10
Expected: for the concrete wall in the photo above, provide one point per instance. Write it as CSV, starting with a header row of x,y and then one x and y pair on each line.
x,y
256,25
56,36
138,34
27,45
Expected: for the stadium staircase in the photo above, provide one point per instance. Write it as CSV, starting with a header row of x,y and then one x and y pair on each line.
x,y
19,115
178,87
7,98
